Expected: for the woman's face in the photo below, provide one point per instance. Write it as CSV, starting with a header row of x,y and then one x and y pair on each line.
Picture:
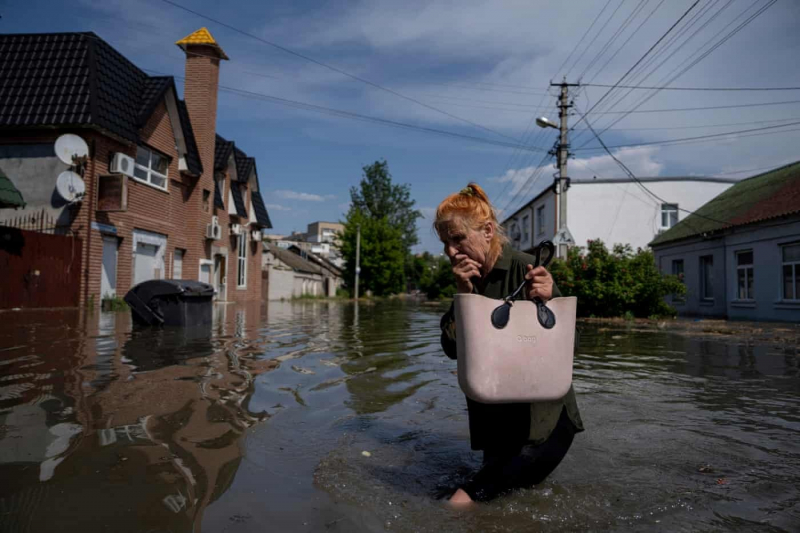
x,y
459,238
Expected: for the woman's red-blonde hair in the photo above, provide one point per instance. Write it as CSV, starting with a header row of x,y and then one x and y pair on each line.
x,y
469,207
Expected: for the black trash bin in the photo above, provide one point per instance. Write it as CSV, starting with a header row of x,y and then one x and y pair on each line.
x,y
171,302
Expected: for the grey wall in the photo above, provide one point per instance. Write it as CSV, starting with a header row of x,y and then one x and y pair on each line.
x,y
33,169
765,241
691,253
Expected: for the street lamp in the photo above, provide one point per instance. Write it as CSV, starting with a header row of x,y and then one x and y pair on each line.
x,y
544,122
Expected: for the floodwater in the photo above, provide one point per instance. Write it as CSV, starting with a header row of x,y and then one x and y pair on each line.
x,y
327,416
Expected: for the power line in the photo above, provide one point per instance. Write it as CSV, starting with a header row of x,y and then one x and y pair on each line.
x,y
637,180
696,88
583,37
704,54
596,35
631,36
357,116
686,139
614,36
641,58
706,126
704,108
336,69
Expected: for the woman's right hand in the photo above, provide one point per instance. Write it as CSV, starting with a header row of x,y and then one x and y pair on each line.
x,y
464,270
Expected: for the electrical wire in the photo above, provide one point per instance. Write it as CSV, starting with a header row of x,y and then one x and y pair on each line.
x,y
614,37
596,35
641,58
703,56
358,116
703,108
583,36
696,88
338,70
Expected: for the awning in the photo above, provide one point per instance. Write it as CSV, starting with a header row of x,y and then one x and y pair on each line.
x,y
10,197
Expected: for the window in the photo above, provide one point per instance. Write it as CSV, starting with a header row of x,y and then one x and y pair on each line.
x,y
526,226
707,277
791,272
151,167
744,275
677,270
241,250
669,215
540,219
177,264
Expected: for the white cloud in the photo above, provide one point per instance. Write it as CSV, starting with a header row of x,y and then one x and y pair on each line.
x,y
303,196
278,207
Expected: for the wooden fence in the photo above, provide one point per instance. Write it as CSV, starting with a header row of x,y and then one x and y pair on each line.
x,y
38,269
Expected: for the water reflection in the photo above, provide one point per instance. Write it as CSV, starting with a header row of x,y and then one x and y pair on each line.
x,y
134,430
261,424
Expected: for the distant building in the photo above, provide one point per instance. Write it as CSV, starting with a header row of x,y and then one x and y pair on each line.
x,y
292,272
739,254
320,239
612,210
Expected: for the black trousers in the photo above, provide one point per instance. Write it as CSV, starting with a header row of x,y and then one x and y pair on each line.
x,y
521,466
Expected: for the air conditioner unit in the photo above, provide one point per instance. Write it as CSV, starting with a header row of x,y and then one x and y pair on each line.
x,y
215,221
213,231
122,164
255,235
236,229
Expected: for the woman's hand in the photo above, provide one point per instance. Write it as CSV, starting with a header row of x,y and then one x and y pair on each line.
x,y
539,283
464,270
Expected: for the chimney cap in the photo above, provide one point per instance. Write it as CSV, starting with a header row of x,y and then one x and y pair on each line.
x,y
201,37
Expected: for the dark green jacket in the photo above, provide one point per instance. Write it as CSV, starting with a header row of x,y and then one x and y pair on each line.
x,y
495,426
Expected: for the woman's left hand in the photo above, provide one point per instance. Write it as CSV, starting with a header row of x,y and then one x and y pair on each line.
x,y
539,283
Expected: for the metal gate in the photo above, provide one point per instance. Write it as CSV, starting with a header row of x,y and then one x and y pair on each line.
x,y
38,269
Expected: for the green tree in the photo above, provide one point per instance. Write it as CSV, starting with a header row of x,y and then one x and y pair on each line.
x,y
613,283
382,254
377,197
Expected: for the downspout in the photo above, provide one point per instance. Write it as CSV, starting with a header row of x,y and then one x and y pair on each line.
x,y
93,162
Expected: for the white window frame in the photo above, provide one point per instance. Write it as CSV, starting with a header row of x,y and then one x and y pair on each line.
x,y
150,172
540,219
668,209
748,296
241,261
795,267
703,285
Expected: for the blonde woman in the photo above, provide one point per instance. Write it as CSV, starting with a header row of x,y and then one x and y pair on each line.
x,y
522,443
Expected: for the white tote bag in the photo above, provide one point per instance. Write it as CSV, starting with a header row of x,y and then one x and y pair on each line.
x,y
515,351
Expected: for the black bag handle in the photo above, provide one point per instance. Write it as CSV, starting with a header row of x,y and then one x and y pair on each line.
x,y
547,318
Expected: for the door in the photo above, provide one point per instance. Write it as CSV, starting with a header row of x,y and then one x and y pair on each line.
x,y
145,263
219,276
108,279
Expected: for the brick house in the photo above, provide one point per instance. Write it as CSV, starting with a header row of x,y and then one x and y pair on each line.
x,y
186,179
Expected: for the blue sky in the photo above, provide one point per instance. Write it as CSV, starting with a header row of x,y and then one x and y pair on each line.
x,y
489,63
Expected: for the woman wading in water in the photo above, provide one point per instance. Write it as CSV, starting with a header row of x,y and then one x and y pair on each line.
x,y
522,443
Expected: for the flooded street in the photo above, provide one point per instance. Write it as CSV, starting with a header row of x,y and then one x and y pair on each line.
x,y
331,416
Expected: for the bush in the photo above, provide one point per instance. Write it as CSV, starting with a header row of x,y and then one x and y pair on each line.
x,y
615,283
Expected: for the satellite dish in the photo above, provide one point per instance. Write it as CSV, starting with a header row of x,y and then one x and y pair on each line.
x,y
70,186
69,146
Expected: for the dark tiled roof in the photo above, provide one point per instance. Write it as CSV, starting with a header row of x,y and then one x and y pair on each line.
x,y
218,195
769,195
193,162
153,91
294,261
76,79
244,164
262,217
238,200
222,151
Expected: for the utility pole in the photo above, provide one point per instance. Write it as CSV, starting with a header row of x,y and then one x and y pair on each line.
x,y
563,239
358,256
